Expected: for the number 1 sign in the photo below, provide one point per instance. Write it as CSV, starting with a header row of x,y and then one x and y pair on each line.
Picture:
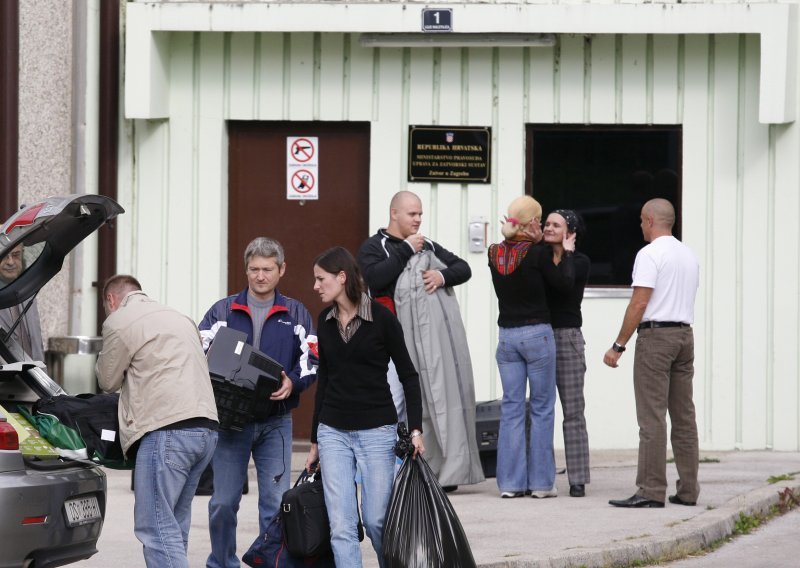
x,y
437,19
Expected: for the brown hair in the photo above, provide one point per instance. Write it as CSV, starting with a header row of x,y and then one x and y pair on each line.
x,y
120,284
339,259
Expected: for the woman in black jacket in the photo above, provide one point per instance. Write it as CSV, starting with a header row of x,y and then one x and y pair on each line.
x,y
355,421
526,353
564,225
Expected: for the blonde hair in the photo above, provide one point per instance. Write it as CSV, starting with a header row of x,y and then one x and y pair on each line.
x,y
522,211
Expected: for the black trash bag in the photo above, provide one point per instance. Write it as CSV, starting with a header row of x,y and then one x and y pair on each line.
x,y
422,529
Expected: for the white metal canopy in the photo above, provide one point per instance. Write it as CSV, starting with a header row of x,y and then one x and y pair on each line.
x,y
148,26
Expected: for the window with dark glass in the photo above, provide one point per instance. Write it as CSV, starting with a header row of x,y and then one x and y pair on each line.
x,y
606,174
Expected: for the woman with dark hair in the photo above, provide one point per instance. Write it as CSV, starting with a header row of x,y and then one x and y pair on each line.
x,y
355,421
566,318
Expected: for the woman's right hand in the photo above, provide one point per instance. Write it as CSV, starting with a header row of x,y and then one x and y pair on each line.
x,y
569,241
534,231
312,460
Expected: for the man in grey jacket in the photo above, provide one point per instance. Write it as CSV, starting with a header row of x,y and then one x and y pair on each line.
x,y
154,356
28,333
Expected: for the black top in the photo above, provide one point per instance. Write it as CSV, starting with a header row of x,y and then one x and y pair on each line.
x,y
352,390
383,257
565,304
521,294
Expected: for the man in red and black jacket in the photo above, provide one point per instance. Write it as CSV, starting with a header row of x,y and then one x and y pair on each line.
x,y
282,328
383,256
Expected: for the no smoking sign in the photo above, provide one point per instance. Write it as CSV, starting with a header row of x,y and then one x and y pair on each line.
x,y
302,167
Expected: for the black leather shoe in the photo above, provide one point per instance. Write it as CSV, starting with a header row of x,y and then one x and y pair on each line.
x,y
637,502
449,488
678,501
577,490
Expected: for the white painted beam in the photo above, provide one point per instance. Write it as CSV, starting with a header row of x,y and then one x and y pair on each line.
x,y
146,66
148,26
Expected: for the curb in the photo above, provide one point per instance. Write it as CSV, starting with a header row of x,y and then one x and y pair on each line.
x,y
689,537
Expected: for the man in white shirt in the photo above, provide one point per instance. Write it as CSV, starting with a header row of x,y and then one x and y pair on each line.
x,y
666,276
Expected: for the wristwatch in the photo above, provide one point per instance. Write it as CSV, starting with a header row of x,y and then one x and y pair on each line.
x,y
618,348
415,433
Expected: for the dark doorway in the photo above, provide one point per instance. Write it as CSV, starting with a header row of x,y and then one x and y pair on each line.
x,y
606,173
257,206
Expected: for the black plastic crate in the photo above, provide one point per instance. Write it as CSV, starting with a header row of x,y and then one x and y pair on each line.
x,y
237,405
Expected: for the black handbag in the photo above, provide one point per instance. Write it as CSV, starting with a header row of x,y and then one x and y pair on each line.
x,y
305,517
270,550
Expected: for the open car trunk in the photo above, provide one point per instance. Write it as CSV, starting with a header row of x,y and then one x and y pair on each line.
x,y
38,237
53,508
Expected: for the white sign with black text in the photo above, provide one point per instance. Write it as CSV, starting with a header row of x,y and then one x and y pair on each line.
x,y
302,167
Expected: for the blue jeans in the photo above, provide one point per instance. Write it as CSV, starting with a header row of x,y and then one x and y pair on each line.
x,y
341,452
168,468
270,443
526,355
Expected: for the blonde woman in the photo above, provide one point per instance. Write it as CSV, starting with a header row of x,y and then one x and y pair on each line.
x,y
526,351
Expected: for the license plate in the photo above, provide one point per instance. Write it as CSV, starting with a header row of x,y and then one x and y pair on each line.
x,y
82,510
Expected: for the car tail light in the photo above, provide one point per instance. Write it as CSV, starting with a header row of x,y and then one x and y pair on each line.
x,y
23,218
9,440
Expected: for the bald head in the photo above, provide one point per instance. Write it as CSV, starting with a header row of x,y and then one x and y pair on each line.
x,y
400,199
662,212
658,217
405,214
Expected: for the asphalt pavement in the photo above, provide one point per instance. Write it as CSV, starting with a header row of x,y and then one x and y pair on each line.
x,y
773,544
553,533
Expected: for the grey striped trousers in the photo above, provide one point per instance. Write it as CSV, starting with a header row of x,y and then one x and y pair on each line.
x,y
570,372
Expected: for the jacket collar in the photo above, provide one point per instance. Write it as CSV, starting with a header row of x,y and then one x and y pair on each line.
x,y
131,297
240,304
385,234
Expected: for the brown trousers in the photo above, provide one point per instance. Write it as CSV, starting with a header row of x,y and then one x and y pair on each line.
x,y
663,369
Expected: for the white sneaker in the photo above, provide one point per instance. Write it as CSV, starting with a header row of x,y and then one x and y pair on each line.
x,y
545,494
512,494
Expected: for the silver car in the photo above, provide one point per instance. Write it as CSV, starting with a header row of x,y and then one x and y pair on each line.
x,y
51,508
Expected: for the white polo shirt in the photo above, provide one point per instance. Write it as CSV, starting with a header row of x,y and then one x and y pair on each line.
x,y
671,269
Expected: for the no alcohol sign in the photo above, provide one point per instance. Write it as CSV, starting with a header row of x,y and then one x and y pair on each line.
x,y
302,167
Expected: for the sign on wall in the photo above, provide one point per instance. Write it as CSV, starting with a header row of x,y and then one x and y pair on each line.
x,y
437,19
451,154
302,167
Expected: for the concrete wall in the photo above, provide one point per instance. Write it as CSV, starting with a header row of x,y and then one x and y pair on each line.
x,y
57,148
45,126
